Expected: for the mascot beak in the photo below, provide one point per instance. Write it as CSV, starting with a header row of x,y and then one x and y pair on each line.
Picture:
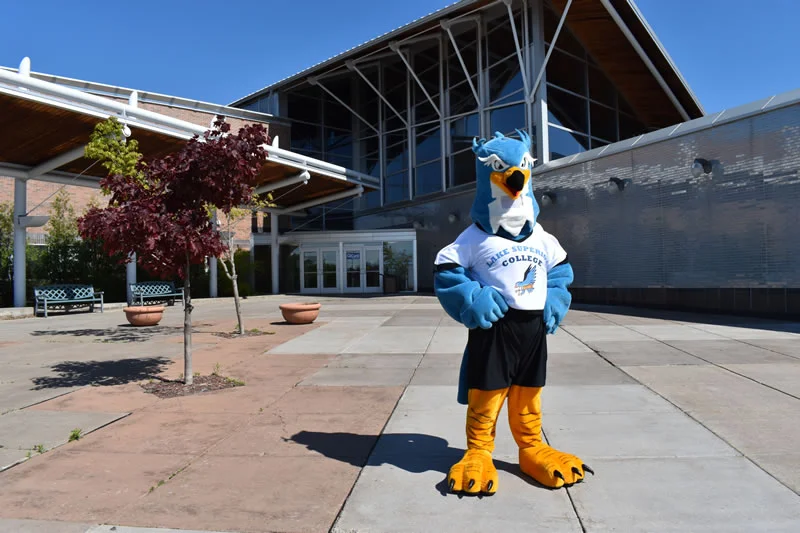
x,y
513,181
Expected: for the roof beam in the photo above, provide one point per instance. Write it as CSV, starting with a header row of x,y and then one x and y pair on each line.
x,y
395,48
522,69
532,94
643,56
352,67
302,177
323,200
56,162
63,178
446,25
315,81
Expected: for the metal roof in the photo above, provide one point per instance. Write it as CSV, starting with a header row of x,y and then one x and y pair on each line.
x,y
726,116
434,15
462,8
114,91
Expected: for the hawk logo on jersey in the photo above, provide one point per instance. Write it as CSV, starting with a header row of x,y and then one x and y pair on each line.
x,y
528,281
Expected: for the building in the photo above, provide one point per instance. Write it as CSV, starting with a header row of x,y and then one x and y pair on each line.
x,y
657,203
406,106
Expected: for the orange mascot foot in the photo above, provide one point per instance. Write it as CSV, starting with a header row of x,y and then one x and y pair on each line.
x,y
546,465
475,472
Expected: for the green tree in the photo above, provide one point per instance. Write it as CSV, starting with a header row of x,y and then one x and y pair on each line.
x,y
6,239
60,260
118,154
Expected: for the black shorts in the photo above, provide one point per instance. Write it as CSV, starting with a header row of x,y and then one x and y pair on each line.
x,y
512,352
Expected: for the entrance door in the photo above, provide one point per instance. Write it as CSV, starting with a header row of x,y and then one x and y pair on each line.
x,y
319,270
373,268
363,268
328,269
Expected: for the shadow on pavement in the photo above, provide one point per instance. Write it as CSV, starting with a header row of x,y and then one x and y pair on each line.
x,y
119,372
412,452
122,333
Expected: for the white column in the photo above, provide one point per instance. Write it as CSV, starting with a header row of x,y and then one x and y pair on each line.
x,y
340,268
130,277
416,282
274,250
539,98
20,240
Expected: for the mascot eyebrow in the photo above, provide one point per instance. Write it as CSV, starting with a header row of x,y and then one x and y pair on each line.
x,y
496,163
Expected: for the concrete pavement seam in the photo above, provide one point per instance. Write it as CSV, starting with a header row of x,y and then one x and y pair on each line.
x,y
723,439
394,409
744,341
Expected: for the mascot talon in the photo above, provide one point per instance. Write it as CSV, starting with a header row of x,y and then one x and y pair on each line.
x,y
473,474
506,279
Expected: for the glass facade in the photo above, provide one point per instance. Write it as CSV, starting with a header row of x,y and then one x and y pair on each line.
x,y
411,120
584,109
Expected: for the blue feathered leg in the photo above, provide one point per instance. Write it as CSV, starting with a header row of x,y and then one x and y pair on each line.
x,y
469,303
559,278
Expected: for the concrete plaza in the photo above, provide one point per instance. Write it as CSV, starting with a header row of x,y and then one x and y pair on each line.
x,y
689,421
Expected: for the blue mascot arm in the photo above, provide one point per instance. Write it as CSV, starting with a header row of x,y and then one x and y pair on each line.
x,y
558,297
469,303
465,300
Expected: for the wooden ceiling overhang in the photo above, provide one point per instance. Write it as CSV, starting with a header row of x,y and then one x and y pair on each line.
x,y
594,25
37,131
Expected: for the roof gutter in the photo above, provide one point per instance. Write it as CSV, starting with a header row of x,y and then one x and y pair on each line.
x,y
106,104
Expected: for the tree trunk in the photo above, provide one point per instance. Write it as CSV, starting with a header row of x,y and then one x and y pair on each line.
x,y
235,282
188,375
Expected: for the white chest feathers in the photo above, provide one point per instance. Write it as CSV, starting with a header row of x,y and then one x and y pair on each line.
x,y
508,213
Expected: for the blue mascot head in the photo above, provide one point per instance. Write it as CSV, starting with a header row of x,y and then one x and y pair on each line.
x,y
504,202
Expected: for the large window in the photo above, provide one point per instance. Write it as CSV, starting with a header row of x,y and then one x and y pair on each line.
x,y
585,110
418,139
462,161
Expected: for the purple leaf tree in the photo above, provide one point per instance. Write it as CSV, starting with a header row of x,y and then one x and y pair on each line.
x,y
162,212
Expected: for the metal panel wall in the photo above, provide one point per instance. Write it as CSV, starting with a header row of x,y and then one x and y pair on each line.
x,y
666,228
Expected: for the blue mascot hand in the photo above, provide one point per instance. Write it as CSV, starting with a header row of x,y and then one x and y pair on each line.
x,y
487,307
550,324
558,297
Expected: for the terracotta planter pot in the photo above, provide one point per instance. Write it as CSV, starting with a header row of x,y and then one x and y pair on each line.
x,y
300,313
144,315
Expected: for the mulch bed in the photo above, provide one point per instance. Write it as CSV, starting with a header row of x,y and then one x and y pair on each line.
x,y
247,333
172,389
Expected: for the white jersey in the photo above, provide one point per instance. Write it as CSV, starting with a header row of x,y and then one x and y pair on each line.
x,y
517,270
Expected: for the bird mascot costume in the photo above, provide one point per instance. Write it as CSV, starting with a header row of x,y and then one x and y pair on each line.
x,y
505,278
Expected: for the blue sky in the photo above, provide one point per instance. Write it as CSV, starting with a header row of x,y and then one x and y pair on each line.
x,y
731,52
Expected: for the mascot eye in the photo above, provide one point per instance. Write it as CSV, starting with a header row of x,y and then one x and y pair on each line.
x,y
498,165
527,162
494,162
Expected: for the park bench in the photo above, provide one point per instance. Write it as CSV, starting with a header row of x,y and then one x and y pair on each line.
x,y
65,297
155,292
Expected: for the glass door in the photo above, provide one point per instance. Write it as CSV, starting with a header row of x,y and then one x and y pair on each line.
x,y
319,270
364,267
309,266
329,271
373,268
353,257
